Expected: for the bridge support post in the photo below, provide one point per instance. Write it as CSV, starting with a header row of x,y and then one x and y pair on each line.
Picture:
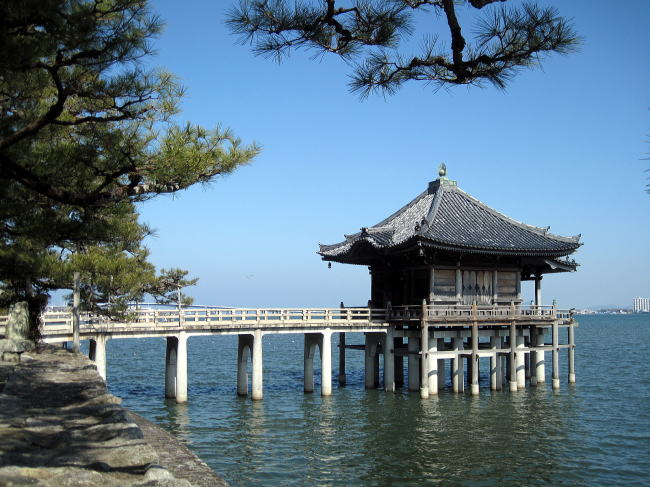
x,y
457,365
521,362
540,370
170,367
181,368
325,346
494,362
370,363
441,364
399,362
531,371
342,379
413,364
432,366
572,346
474,358
556,356
258,367
97,353
389,360
512,359
244,348
308,365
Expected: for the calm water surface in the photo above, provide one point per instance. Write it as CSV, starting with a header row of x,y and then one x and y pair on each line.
x,y
595,433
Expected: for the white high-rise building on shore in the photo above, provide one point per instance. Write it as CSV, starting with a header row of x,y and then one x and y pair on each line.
x,y
642,305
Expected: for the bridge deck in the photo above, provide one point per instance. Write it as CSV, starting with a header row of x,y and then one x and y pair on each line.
x,y
214,320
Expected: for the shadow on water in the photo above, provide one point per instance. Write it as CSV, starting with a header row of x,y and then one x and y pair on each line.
x,y
596,433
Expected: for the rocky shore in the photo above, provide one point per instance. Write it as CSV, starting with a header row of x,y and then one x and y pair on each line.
x,y
60,427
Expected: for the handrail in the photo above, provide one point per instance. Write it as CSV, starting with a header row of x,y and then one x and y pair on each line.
x,y
148,318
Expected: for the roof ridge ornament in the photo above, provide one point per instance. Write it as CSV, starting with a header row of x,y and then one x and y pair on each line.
x,y
442,171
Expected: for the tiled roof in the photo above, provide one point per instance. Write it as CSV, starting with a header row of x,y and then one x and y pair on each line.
x,y
446,217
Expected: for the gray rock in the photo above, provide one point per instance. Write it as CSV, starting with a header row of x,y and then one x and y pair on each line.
x,y
18,323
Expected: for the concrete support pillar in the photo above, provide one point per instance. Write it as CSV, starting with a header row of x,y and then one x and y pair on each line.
x,y
457,366
258,367
399,362
371,351
512,358
572,346
494,363
432,366
97,353
413,364
308,363
342,379
170,367
474,359
556,356
326,363
181,368
540,369
244,348
532,341
389,360
424,361
521,362
441,365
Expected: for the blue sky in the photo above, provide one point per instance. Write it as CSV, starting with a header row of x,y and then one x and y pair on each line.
x,y
562,146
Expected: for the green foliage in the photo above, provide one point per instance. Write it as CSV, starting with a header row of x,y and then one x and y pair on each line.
x,y
368,33
85,133
168,286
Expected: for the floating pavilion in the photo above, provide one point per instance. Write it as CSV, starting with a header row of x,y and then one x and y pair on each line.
x,y
446,273
450,268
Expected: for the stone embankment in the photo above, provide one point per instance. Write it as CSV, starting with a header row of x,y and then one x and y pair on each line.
x,y
60,427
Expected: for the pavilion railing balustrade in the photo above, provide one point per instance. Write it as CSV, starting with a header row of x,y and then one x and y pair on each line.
x,y
140,318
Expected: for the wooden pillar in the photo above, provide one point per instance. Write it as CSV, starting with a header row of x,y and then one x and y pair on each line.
x,y
244,349
258,367
571,351
512,358
495,284
459,285
432,294
556,356
342,379
389,360
474,359
538,290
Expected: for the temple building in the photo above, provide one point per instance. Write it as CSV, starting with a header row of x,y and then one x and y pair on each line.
x,y
449,268
447,247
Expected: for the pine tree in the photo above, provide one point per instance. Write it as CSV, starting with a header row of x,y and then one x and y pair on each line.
x,y
368,33
86,132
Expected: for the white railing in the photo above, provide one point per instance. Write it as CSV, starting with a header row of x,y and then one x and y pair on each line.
x,y
60,322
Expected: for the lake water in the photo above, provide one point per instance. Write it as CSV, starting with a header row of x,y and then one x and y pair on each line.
x,y
593,433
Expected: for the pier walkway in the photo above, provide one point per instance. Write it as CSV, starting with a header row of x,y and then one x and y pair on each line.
x,y
513,336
